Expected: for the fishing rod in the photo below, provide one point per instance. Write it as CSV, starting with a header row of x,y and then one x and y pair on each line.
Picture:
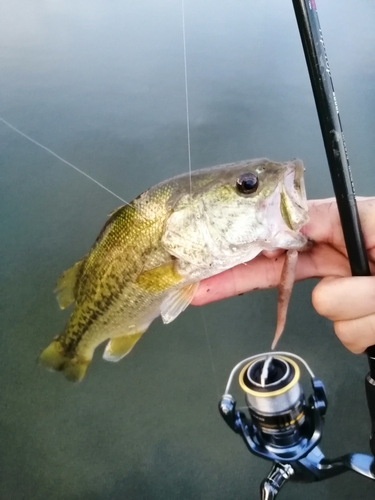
x,y
338,161
279,423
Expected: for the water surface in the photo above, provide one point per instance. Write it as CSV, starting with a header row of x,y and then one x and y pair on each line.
x,y
102,84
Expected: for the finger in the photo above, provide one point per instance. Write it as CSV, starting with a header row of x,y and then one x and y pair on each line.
x,y
341,299
263,272
325,226
324,223
356,334
273,253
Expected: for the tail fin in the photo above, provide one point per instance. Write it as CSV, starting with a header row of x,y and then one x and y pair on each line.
x,y
54,358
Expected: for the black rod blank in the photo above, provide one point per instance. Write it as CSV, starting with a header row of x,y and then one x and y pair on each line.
x,y
338,161
330,123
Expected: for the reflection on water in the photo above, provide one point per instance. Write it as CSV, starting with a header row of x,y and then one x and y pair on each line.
x,y
102,85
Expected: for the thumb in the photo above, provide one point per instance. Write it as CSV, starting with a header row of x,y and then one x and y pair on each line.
x,y
350,303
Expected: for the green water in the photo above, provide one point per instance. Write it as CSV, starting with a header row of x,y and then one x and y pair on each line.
x,y
102,84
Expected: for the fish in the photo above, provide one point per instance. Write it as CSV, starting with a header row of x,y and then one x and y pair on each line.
x,y
152,253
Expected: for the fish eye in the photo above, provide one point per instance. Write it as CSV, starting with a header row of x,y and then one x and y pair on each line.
x,y
247,183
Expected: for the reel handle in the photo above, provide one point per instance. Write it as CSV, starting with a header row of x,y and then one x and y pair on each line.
x,y
272,484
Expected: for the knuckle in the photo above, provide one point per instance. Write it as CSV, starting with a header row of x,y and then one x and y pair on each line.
x,y
321,300
343,332
348,334
369,329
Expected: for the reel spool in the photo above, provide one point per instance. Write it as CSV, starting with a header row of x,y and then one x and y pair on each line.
x,y
276,402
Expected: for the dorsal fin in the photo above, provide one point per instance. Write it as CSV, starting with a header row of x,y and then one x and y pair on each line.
x,y
66,285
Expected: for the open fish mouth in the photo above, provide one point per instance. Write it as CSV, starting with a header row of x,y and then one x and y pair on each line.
x,y
293,201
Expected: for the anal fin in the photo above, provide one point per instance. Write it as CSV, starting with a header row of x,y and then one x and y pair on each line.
x,y
119,347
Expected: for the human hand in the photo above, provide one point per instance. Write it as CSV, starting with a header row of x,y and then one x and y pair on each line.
x,y
346,300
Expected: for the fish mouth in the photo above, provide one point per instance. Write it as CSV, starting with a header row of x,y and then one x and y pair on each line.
x,y
293,201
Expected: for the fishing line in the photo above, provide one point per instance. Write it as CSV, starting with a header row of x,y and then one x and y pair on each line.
x,y
210,353
189,163
62,159
186,92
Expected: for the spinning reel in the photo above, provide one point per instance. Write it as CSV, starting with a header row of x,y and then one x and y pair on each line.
x,y
281,425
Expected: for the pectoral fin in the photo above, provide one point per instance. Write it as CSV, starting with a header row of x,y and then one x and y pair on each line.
x,y
159,278
176,302
65,288
119,347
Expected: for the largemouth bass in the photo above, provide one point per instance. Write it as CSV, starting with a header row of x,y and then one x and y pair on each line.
x,y
151,254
